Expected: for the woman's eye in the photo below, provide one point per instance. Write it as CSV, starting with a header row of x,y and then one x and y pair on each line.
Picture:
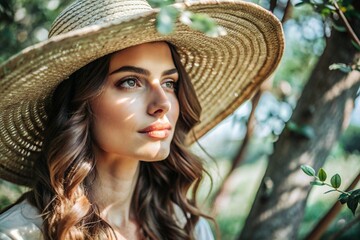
x,y
170,84
128,83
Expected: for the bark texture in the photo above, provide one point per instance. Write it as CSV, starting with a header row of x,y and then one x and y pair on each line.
x,y
325,106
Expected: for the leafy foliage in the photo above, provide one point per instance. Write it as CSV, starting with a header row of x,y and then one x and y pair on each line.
x,y
340,66
335,10
169,14
25,22
351,198
327,8
160,3
165,20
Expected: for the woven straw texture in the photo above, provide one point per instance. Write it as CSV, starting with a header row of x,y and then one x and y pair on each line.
x,y
225,71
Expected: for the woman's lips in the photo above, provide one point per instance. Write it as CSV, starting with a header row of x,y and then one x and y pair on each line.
x,y
157,130
158,134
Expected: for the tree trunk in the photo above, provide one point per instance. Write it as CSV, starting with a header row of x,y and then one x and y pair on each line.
x,y
325,107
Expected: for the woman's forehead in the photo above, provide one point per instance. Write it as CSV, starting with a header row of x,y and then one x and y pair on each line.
x,y
147,55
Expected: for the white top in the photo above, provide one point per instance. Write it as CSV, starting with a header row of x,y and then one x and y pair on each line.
x,y
23,222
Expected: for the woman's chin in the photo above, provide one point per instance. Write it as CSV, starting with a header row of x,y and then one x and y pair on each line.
x,y
158,156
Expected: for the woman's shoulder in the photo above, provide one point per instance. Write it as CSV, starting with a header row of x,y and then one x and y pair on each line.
x,y
203,230
21,221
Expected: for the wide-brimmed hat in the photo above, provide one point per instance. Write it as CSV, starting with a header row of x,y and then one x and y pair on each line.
x,y
225,70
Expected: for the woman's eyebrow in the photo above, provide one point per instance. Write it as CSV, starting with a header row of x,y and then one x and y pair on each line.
x,y
131,69
142,70
169,72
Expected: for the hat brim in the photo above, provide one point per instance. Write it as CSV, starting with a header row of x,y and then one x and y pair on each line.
x,y
225,71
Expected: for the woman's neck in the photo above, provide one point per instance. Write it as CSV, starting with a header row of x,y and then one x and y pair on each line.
x,y
113,189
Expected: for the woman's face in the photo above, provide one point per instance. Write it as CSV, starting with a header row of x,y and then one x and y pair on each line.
x,y
135,115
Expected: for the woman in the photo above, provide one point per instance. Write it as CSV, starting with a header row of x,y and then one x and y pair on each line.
x,y
95,119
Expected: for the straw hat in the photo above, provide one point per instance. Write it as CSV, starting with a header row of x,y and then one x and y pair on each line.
x,y
225,71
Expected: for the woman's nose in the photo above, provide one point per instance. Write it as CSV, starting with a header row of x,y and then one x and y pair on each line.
x,y
159,103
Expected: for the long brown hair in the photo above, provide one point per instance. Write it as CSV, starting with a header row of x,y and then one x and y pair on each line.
x,y
66,167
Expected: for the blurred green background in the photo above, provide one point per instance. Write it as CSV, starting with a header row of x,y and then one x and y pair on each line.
x,y
25,22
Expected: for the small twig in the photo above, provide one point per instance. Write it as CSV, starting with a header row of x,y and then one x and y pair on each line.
x,y
287,12
273,4
340,191
347,25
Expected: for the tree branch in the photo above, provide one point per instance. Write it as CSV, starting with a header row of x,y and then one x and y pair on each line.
x,y
287,12
273,4
240,155
347,24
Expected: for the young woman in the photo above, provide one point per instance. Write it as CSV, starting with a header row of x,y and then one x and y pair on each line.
x,y
96,120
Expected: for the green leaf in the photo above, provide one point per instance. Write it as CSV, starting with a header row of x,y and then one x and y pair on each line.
x,y
316,183
302,130
322,174
340,66
339,28
355,193
353,201
206,24
308,170
331,7
165,20
357,46
325,12
202,22
160,3
343,198
335,181
308,132
352,205
301,3
292,126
